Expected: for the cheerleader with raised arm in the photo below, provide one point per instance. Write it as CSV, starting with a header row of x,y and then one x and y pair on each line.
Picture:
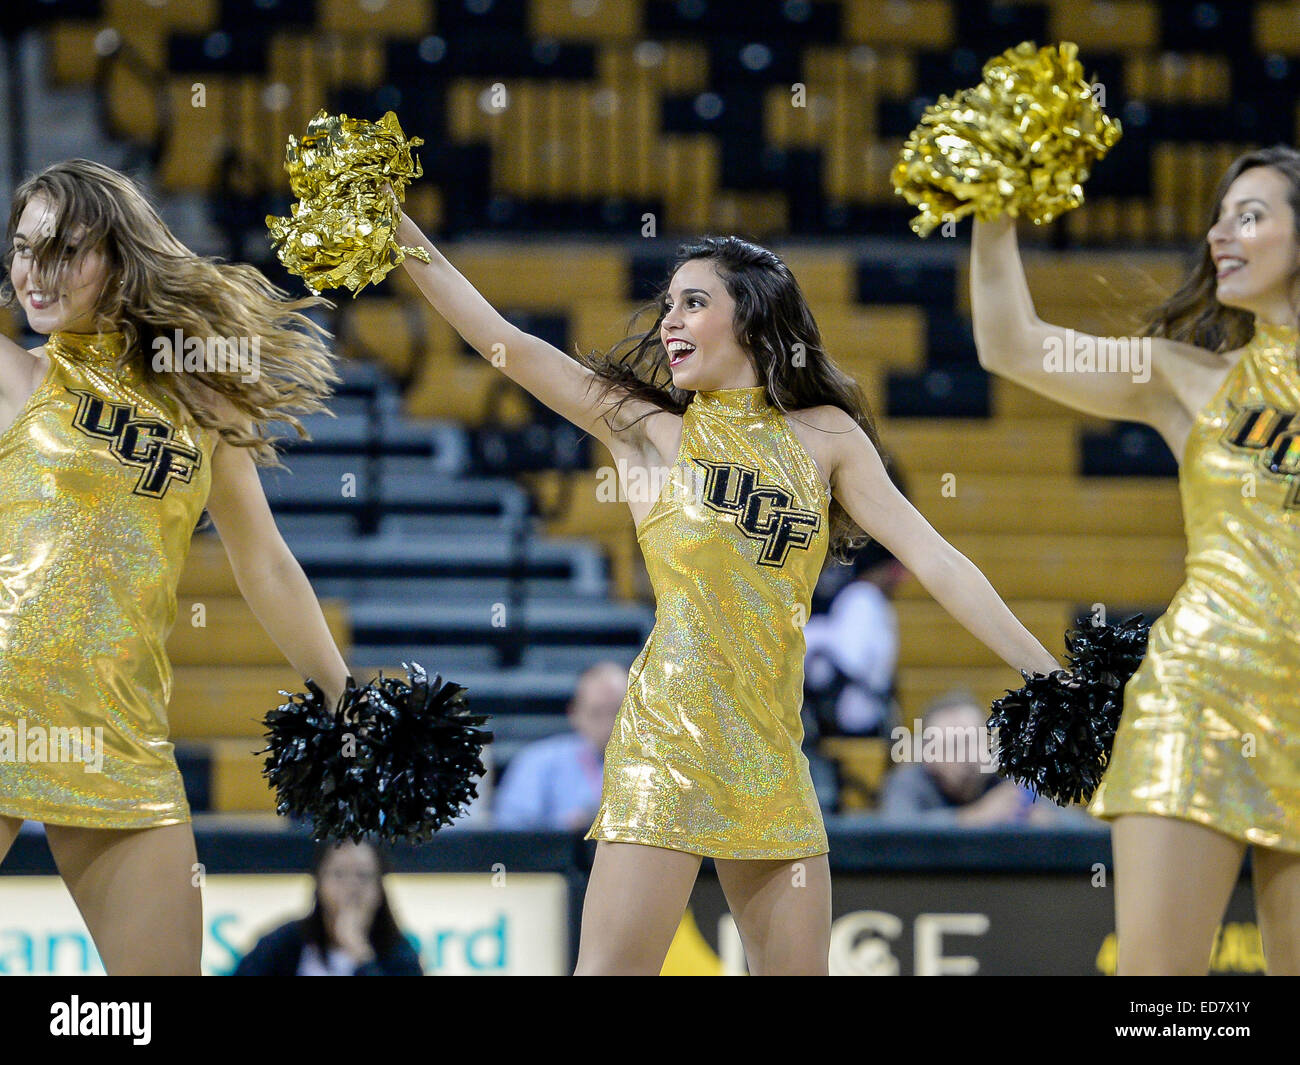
x,y
1206,761
768,461
108,458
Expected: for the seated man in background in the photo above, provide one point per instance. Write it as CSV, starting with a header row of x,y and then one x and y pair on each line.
x,y
555,782
955,781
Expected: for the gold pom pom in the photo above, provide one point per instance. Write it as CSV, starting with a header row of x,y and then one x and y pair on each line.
x,y
341,232
1019,143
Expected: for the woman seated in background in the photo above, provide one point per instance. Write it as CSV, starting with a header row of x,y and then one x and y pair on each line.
x,y
349,932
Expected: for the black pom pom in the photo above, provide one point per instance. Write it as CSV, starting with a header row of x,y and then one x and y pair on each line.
x,y
1054,735
394,760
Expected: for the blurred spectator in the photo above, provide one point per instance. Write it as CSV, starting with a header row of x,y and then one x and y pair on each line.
x,y
852,649
349,932
955,781
555,782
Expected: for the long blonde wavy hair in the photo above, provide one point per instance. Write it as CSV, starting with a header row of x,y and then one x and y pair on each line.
x,y
156,286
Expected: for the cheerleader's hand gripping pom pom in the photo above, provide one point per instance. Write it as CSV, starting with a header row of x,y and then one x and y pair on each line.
x,y
1022,142
1054,735
394,761
341,233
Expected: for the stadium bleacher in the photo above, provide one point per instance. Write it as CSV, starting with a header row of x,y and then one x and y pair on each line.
x,y
442,497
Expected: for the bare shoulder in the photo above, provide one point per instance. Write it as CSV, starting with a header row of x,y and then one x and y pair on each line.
x,y
826,419
826,432
825,427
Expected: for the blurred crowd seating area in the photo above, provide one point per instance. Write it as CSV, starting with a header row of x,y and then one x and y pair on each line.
x,y
446,517
776,117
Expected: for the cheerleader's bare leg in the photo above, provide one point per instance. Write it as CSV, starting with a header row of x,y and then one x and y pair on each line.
x,y
9,827
635,900
1277,908
783,912
137,891
1173,879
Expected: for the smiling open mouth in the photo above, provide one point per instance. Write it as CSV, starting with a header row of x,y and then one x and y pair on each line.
x,y
679,351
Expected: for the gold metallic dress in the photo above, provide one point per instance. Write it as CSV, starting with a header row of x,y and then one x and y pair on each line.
x,y
1211,726
102,480
706,753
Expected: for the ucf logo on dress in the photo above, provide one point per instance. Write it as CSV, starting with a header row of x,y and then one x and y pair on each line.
x,y
146,443
762,511
1273,436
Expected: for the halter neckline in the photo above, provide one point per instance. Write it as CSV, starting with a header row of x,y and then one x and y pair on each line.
x,y
734,402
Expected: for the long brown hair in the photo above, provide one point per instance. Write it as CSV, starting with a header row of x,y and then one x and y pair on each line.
x,y
383,933
774,324
1193,314
156,286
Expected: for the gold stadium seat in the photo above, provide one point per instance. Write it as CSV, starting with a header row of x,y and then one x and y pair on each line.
x,y
465,389
1083,568
201,134
231,634
541,278
928,634
1106,25
216,702
1277,27
1164,78
380,18
920,685
133,104
803,117
164,16
587,503
863,762
880,337
928,24
1010,400
72,52
825,276
598,20
688,173
385,330
207,570
759,215
1048,503
934,446
9,323
236,781
146,24
598,324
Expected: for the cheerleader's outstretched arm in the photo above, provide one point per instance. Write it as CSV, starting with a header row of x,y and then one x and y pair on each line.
x,y
269,577
1013,342
861,485
562,383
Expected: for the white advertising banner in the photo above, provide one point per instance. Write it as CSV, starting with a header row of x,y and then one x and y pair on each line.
x,y
463,923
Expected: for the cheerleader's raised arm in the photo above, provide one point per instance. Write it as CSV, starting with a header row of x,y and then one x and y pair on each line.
x,y
546,372
1163,385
